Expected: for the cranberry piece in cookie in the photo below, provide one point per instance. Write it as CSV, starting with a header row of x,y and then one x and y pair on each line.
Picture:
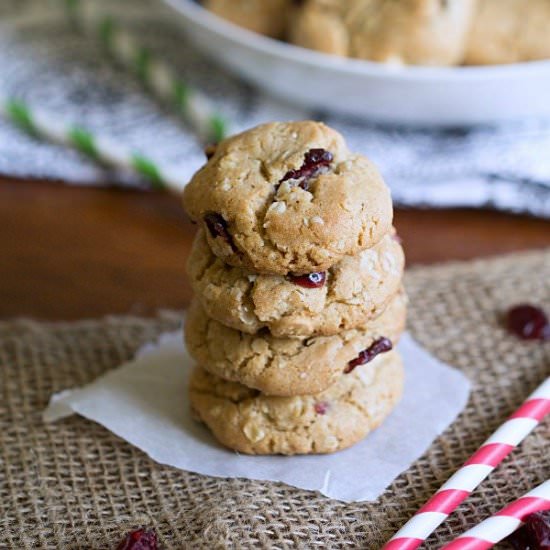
x,y
217,226
311,280
316,162
210,150
381,345
321,407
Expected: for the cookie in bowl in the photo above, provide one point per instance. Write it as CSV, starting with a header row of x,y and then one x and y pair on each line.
x,y
410,32
509,31
268,17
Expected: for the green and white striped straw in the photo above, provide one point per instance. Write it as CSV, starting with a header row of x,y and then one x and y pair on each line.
x,y
99,148
158,76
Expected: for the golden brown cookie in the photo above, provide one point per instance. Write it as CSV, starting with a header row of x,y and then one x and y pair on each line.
x,y
347,295
289,366
267,17
420,32
509,31
288,197
250,422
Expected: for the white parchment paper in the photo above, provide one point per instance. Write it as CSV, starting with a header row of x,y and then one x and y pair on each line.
x,y
145,403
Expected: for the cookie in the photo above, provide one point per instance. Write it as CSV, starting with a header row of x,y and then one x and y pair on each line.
x,y
509,31
347,295
289,366
250,422
267,17
420,32
288,197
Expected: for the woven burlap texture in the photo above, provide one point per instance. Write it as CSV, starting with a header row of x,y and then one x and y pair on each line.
x,y
75,485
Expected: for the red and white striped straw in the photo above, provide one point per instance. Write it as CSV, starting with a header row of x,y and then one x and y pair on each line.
x,y
503,523
474,471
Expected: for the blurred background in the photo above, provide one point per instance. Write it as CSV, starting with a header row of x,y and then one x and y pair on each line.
x,y
107,108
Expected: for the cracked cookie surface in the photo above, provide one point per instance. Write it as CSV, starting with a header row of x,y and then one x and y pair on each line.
x,y
356,289
288,198
249,422
509,31
285,366
424,32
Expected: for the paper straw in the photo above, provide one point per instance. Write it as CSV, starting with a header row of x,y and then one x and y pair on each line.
x,y
474,471
503,523
99,148
157,75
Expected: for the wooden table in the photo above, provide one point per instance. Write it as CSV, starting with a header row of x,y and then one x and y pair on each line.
x,y
70,253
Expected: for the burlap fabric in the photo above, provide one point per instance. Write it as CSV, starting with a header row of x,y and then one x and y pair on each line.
x,y
75,485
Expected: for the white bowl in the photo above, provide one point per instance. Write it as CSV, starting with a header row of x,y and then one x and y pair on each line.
x,y
434,96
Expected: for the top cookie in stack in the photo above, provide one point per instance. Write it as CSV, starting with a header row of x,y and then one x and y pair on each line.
x,y
298,274
288,198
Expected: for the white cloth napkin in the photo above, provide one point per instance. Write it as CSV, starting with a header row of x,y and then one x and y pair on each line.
x,y
52,66
145,403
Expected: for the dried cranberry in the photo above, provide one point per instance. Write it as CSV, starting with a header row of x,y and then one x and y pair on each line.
x,y
379,346
311,280
528,322
535,533
217,227
140,539
209,150
321,407
519,540
316,161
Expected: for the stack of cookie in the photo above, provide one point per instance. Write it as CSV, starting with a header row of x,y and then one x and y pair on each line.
x,y
297,273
